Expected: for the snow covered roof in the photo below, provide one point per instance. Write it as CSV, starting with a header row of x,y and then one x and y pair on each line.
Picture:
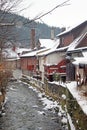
x,y
46,52
30,54
84,53
79,49
62,48
21,50
48,49
12,59
33,53
51,50
54,50
80,60
71,29
48,43
10,54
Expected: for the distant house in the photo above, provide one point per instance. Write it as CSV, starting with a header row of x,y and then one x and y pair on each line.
x,y
21,51
47,43
29,63
32,62
12,60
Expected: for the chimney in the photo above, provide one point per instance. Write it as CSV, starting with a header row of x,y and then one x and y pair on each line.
x,y
52,33
32,38
63,29
14,48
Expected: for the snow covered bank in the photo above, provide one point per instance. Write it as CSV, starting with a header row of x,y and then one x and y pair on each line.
x,y
77,94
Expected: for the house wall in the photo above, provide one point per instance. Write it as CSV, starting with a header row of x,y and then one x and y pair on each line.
x,y
24,63
50,69
83,43
29,63
32,64
49,64
51,59
54,58
78,30
67,38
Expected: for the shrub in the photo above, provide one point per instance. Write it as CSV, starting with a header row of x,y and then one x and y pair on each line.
x,y
56,77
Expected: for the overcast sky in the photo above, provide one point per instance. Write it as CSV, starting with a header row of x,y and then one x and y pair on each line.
x,y
66,16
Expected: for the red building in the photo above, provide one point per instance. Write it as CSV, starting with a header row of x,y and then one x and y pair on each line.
x,y
29,62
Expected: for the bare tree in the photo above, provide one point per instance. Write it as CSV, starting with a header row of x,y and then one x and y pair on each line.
x,y
7,24
41,15
7,32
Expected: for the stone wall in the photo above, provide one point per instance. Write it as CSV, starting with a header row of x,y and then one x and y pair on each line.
x,y
78,117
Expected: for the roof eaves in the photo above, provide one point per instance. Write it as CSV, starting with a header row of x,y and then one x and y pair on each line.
x,y
70,30
77,40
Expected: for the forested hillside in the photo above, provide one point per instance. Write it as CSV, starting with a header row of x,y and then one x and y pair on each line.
x,y
21,29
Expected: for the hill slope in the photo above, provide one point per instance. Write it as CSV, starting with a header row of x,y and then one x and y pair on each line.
x,y
21,31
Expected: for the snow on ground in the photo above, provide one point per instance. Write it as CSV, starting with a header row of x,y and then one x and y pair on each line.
x,y
70,122
77,94
59,83
46,102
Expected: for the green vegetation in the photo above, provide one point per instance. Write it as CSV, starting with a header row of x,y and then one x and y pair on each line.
x,y
56,77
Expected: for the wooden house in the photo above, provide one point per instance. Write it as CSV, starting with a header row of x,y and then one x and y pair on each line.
x,y
31,61
48,60
66,39
12,60
68,36
55,58
58,60
52,61
77,52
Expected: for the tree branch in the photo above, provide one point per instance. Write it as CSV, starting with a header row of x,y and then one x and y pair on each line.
x,y
42,15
